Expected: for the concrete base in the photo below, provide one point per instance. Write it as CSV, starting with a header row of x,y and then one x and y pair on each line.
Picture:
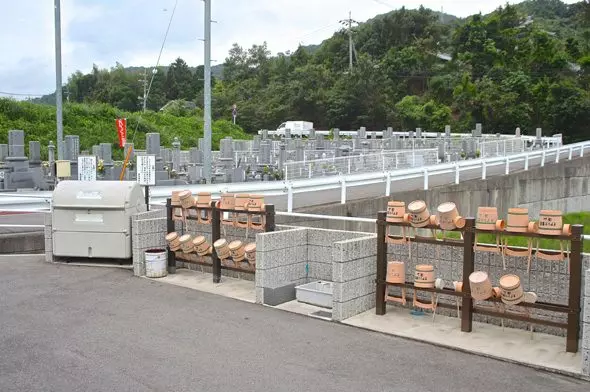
x,y
28,242
229,287
542,351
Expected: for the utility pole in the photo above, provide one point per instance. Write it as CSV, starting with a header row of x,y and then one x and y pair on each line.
x,y
348,23
58,84
207,161
145,87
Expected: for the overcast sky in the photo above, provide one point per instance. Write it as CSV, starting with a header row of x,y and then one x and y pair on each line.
x,y
131,32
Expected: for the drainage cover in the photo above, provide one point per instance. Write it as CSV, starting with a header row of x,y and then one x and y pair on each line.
x,y
322,313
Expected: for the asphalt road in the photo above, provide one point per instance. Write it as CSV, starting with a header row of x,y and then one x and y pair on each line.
x,y
66,328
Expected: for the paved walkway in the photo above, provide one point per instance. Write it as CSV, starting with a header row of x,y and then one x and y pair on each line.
x,y
67,328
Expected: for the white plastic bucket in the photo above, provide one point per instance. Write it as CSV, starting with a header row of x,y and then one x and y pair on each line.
x,y
156,262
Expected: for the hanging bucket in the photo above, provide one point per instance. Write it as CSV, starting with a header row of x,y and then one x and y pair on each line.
x,y
242,220
255,203
424,276
512,293
419,215
237,251
201,246
227,202
396,212
550,222
487,219
481,287
448,217
222,249
177,213
186,199
186,243
156,263
173,241
458,286
250,250
203,204
396,272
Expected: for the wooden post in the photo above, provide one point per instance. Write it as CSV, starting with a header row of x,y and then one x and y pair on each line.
x,y
468,265
381,264
170,229
215,235
270,218
573,317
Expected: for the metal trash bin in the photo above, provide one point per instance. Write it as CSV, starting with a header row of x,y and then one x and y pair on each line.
x,y
93,219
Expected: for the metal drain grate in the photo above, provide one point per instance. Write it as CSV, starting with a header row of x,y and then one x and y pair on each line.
x,y
322,313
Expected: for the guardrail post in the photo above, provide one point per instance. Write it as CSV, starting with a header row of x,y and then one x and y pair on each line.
x,y
507,166
543,159
484,170
388,185
343,191
582,151
310,171
289,197
382,161
425,179
349,164
557,155
570,153
457,173
285,169
526,162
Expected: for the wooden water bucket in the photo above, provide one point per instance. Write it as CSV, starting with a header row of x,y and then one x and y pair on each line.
x,y
419,215
237,251
203,204
201,246
424,276
550,222
255,203
458,286
227,202
177,213
481,287
396,212
186,199
222,249
186,243
518,220
250,250
448,217
396,272
512,293
242,220
173,241
487,219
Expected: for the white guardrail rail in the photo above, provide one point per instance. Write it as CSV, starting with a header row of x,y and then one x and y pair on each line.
x,y
291,190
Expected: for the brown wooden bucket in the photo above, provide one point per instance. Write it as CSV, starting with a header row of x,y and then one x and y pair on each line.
x,y
550,222
177,213
419,214
487,219
256,204
396,212
203,200
250,250
173,241
202,247
222,249
396,272
512,293
186,199
481,287
237,251
518,220
227,202
424,276
242,220
448,217
186,243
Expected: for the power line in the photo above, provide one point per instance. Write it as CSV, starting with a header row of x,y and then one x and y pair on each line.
x,y
21,94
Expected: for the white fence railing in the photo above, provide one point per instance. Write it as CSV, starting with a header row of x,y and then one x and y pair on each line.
x,y
502,147
309,190
365,163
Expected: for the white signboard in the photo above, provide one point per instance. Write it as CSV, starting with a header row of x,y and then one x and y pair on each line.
x,y
86,168
146,169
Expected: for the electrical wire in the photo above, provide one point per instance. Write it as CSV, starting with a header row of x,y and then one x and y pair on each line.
x,y
20,94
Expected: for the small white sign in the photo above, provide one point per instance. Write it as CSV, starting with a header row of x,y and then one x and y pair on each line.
x,y
86,168
146,169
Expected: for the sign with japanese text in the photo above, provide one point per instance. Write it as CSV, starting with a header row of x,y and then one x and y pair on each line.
x,y
146,170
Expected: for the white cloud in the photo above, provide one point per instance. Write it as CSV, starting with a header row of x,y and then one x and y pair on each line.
x,y
130,32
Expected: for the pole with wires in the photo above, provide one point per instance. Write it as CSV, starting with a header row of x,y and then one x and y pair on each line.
x,y
207,98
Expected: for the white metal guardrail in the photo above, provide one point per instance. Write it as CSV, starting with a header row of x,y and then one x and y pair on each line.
x,y
291,189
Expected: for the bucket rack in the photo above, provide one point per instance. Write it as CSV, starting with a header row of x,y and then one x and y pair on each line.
x,y
466,306
215,212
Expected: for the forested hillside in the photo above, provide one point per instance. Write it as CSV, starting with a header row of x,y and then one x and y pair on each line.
x,y
521,66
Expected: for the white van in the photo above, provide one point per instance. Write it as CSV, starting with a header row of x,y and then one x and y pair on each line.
x,y
298,128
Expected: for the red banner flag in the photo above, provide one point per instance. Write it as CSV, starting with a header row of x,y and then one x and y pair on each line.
x,y
122,131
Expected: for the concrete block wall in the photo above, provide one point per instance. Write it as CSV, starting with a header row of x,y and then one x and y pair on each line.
x,y
586,326
148,231
48,237
354,266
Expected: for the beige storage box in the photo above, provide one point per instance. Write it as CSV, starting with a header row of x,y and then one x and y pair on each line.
x,y
93,219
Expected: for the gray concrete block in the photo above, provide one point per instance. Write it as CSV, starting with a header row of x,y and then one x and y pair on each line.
x,y
48,232
355,269
281,240
318,253
49,257
320,271
586,362
586,336
47,218
283,276
266,260
48,245
350,290
144,241
325,237
354,249
586,311
587,284
343,310
259,294
279,295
